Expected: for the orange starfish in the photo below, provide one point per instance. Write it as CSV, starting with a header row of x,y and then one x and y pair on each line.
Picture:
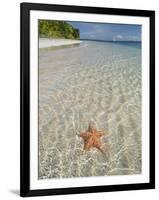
x,y
92,138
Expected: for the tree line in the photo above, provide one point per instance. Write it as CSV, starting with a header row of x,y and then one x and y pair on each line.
x,y
57,29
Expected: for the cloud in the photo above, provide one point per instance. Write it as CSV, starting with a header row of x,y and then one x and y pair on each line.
x,y
119,37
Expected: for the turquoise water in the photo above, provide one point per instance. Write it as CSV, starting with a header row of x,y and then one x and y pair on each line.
x,y
93,81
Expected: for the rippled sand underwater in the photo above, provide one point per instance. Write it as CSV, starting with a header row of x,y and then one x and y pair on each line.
x,y
93,81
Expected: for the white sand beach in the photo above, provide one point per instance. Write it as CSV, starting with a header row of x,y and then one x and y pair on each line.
x,y
45,42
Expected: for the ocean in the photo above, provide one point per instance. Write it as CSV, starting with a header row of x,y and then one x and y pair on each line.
x,y
97,82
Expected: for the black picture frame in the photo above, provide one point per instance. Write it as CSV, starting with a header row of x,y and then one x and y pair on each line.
x,y
25,9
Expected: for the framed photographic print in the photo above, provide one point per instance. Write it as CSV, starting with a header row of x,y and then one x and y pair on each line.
x,y
87,99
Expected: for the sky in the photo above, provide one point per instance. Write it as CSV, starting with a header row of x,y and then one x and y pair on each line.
x,y
108,32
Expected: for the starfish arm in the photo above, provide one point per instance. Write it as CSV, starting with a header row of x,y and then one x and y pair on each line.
x,y
85,134
100,133
97,142
81,134
88,144
86,147
98,145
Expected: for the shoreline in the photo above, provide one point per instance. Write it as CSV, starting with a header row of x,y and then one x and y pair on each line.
x,y
45,42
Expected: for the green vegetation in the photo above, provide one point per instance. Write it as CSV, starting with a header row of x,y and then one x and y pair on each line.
x,y
57,29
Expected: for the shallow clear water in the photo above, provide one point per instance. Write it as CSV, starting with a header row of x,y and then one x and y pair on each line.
x,y
93,81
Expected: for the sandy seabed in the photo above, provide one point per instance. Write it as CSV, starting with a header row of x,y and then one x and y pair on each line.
x,y
94,81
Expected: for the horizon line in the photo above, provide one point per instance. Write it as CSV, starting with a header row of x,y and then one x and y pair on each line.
x,y
111,40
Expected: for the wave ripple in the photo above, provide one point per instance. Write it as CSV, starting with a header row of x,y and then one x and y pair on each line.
x,y
98,82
